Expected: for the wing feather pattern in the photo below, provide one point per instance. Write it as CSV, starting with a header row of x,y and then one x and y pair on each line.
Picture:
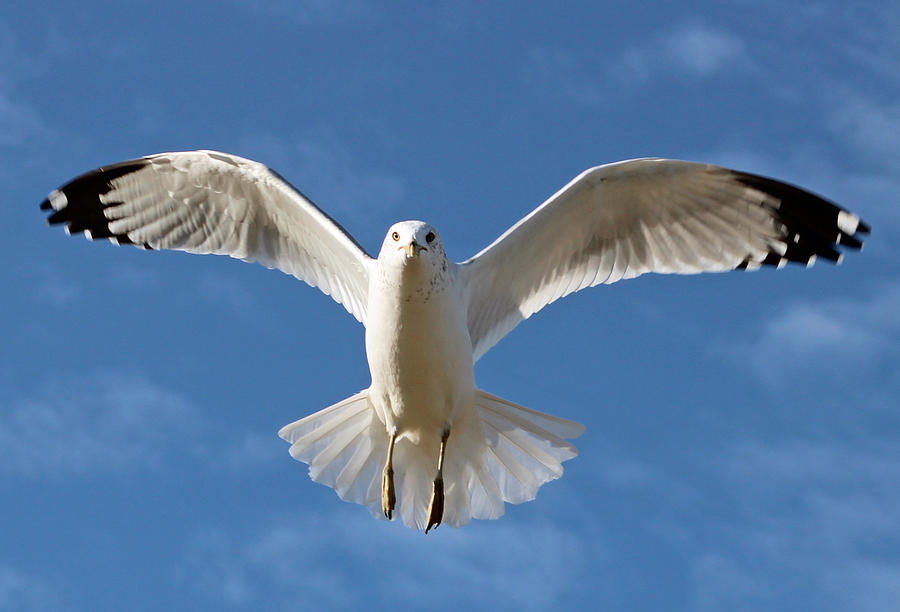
x,y
210,202
622,220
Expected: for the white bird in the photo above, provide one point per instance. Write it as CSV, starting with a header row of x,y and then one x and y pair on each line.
x,y
423,439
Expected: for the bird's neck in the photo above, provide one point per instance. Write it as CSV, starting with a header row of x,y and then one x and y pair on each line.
x,y
411,281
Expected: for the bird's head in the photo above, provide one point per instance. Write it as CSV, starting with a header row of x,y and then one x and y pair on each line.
x,y
412,241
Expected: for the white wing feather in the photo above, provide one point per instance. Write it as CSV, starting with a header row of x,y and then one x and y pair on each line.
x,y
648,215
211,202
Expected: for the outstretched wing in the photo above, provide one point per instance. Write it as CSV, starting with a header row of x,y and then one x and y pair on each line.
x,y
211,202
646,215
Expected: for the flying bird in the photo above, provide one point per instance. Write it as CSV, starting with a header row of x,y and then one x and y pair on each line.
x,y
422,440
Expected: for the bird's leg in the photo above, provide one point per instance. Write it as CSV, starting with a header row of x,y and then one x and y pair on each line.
x,y
388,499
436,507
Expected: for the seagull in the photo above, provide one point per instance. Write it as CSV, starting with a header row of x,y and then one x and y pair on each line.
x,y
422,440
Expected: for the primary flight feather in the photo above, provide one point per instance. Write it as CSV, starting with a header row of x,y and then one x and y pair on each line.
x,y
422,440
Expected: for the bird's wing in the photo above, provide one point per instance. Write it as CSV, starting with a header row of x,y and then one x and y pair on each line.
x,y
211,202
646,215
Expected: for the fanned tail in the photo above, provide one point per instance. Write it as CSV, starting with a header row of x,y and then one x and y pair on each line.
x,y
497,452
345,447
504,453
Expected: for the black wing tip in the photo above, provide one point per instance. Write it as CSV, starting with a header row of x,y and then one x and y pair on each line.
x,y
57,217
77,204
812,226
850,242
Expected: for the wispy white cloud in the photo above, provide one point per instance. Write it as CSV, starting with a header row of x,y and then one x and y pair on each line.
x,y
48,285
837,336
719,583
320,560
20,124
701,50
822,511
875,195
247,451
854,91
24,592
108,422
693,50
865,586
869,36
870,125
559,74
127,274
113,422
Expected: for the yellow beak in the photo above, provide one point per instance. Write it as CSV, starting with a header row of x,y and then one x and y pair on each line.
x,y
411,249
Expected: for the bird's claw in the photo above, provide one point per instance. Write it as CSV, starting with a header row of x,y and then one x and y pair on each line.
x,y
436,507
388,498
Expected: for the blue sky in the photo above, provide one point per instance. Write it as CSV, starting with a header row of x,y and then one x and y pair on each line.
x,y
742,429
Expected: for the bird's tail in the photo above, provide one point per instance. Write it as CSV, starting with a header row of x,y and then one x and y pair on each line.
x,y
497,452
503,452
345,446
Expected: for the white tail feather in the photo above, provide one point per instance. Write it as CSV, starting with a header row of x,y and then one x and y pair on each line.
x,y
344,447
497,452
526,447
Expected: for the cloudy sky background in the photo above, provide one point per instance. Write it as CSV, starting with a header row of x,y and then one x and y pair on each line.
x,y
742,429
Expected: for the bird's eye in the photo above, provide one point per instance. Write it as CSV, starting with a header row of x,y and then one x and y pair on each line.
x,y
430,237
395,236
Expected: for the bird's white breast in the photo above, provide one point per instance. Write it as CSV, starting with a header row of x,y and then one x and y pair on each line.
x,y
418,346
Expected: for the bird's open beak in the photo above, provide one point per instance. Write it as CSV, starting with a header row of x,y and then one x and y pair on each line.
x,y
411,248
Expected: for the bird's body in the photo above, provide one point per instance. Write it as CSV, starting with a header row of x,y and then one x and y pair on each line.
x,y
418,347
422,438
